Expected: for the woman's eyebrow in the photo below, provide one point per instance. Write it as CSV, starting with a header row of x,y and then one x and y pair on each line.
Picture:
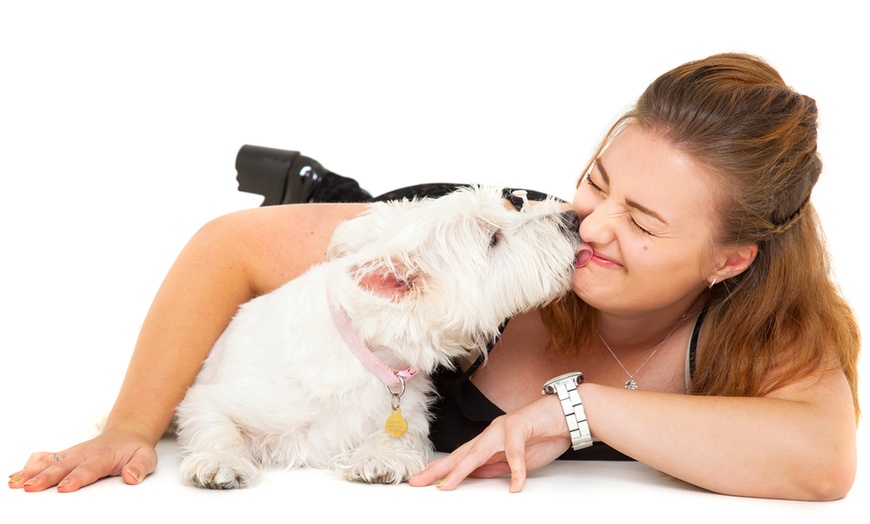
x,y
631,203
601,170
646,211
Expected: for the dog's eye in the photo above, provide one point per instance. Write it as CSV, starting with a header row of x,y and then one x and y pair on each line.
x,y
495,239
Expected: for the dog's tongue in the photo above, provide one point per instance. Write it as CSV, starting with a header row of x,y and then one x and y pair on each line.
x,y
583,255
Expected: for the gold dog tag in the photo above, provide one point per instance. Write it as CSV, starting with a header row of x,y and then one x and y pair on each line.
x,y
396,425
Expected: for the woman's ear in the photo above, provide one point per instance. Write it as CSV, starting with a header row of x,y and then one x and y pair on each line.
x,y
736,262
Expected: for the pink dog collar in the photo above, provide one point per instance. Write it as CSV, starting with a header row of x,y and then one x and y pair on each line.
x,y
392,378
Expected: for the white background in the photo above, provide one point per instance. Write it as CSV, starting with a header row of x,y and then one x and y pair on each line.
x,y
119,126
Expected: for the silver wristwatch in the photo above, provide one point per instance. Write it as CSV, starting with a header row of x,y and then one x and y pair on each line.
x,y
565,386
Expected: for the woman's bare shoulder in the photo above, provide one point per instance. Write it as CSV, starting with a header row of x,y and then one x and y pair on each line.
x,y
278,243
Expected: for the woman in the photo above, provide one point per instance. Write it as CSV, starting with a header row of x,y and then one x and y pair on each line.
x,y
708,294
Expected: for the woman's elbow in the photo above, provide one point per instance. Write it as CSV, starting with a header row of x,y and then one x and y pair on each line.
x,y
828,477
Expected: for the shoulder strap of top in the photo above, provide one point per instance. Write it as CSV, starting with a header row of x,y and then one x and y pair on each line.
x,y
479,362
692,350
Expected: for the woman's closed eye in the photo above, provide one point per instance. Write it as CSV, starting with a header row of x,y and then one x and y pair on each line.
x,y
592,184
595,187
638,226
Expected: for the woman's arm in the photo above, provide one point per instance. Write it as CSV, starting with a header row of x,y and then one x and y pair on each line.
x,y
226,263
796,443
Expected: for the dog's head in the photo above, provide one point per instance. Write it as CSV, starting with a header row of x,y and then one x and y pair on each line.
x,y
434,279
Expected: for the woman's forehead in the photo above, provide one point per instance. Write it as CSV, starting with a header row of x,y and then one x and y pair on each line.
x,y
643,167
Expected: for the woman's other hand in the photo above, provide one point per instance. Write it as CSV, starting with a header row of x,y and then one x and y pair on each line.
x,y
523,440
112,453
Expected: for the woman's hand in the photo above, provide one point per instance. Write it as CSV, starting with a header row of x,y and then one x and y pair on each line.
x,y
112,453
528,438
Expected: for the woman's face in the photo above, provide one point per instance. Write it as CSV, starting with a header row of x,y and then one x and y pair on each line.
x,y
647,210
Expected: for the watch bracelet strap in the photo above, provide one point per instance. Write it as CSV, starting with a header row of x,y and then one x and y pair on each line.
x,y
575,416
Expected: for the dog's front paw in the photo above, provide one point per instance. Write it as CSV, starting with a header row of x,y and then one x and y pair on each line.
x,y
212,472
381,461
385,470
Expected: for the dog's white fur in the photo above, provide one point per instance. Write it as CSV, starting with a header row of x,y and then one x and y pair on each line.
x,y
424,282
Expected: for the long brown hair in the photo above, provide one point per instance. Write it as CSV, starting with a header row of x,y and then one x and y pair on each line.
x,y
784,317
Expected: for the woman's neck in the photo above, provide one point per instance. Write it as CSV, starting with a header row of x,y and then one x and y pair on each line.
x,y
637,331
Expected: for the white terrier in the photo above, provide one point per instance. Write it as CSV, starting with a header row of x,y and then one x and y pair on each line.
x,y
419,284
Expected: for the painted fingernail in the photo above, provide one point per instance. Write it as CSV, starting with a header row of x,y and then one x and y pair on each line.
x,y
135,474
441,483
14,479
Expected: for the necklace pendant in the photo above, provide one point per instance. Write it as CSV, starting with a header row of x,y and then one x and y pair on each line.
x,y
630,384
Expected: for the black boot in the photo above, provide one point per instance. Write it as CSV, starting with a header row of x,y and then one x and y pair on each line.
x,y
287,177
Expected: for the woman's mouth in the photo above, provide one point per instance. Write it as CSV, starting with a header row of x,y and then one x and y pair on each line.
x,y
604,261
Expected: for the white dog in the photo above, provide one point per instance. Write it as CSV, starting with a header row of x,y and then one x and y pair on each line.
x,y
419,284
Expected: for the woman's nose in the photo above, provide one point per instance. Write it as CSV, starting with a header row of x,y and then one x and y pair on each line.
x,y
597,226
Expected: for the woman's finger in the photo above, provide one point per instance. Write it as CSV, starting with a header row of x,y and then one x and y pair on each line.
x,y
485,450
142,464
515,455
42,470
436,470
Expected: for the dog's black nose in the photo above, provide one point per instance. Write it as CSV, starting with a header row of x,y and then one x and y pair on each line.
x,y
570,221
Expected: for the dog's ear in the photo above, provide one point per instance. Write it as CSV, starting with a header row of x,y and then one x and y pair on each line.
x,y
347,238
388,278
381,220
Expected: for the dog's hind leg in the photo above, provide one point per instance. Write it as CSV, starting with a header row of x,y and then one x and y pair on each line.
x,y
217,452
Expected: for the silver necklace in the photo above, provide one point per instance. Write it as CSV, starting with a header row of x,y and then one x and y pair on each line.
x,y
631,383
